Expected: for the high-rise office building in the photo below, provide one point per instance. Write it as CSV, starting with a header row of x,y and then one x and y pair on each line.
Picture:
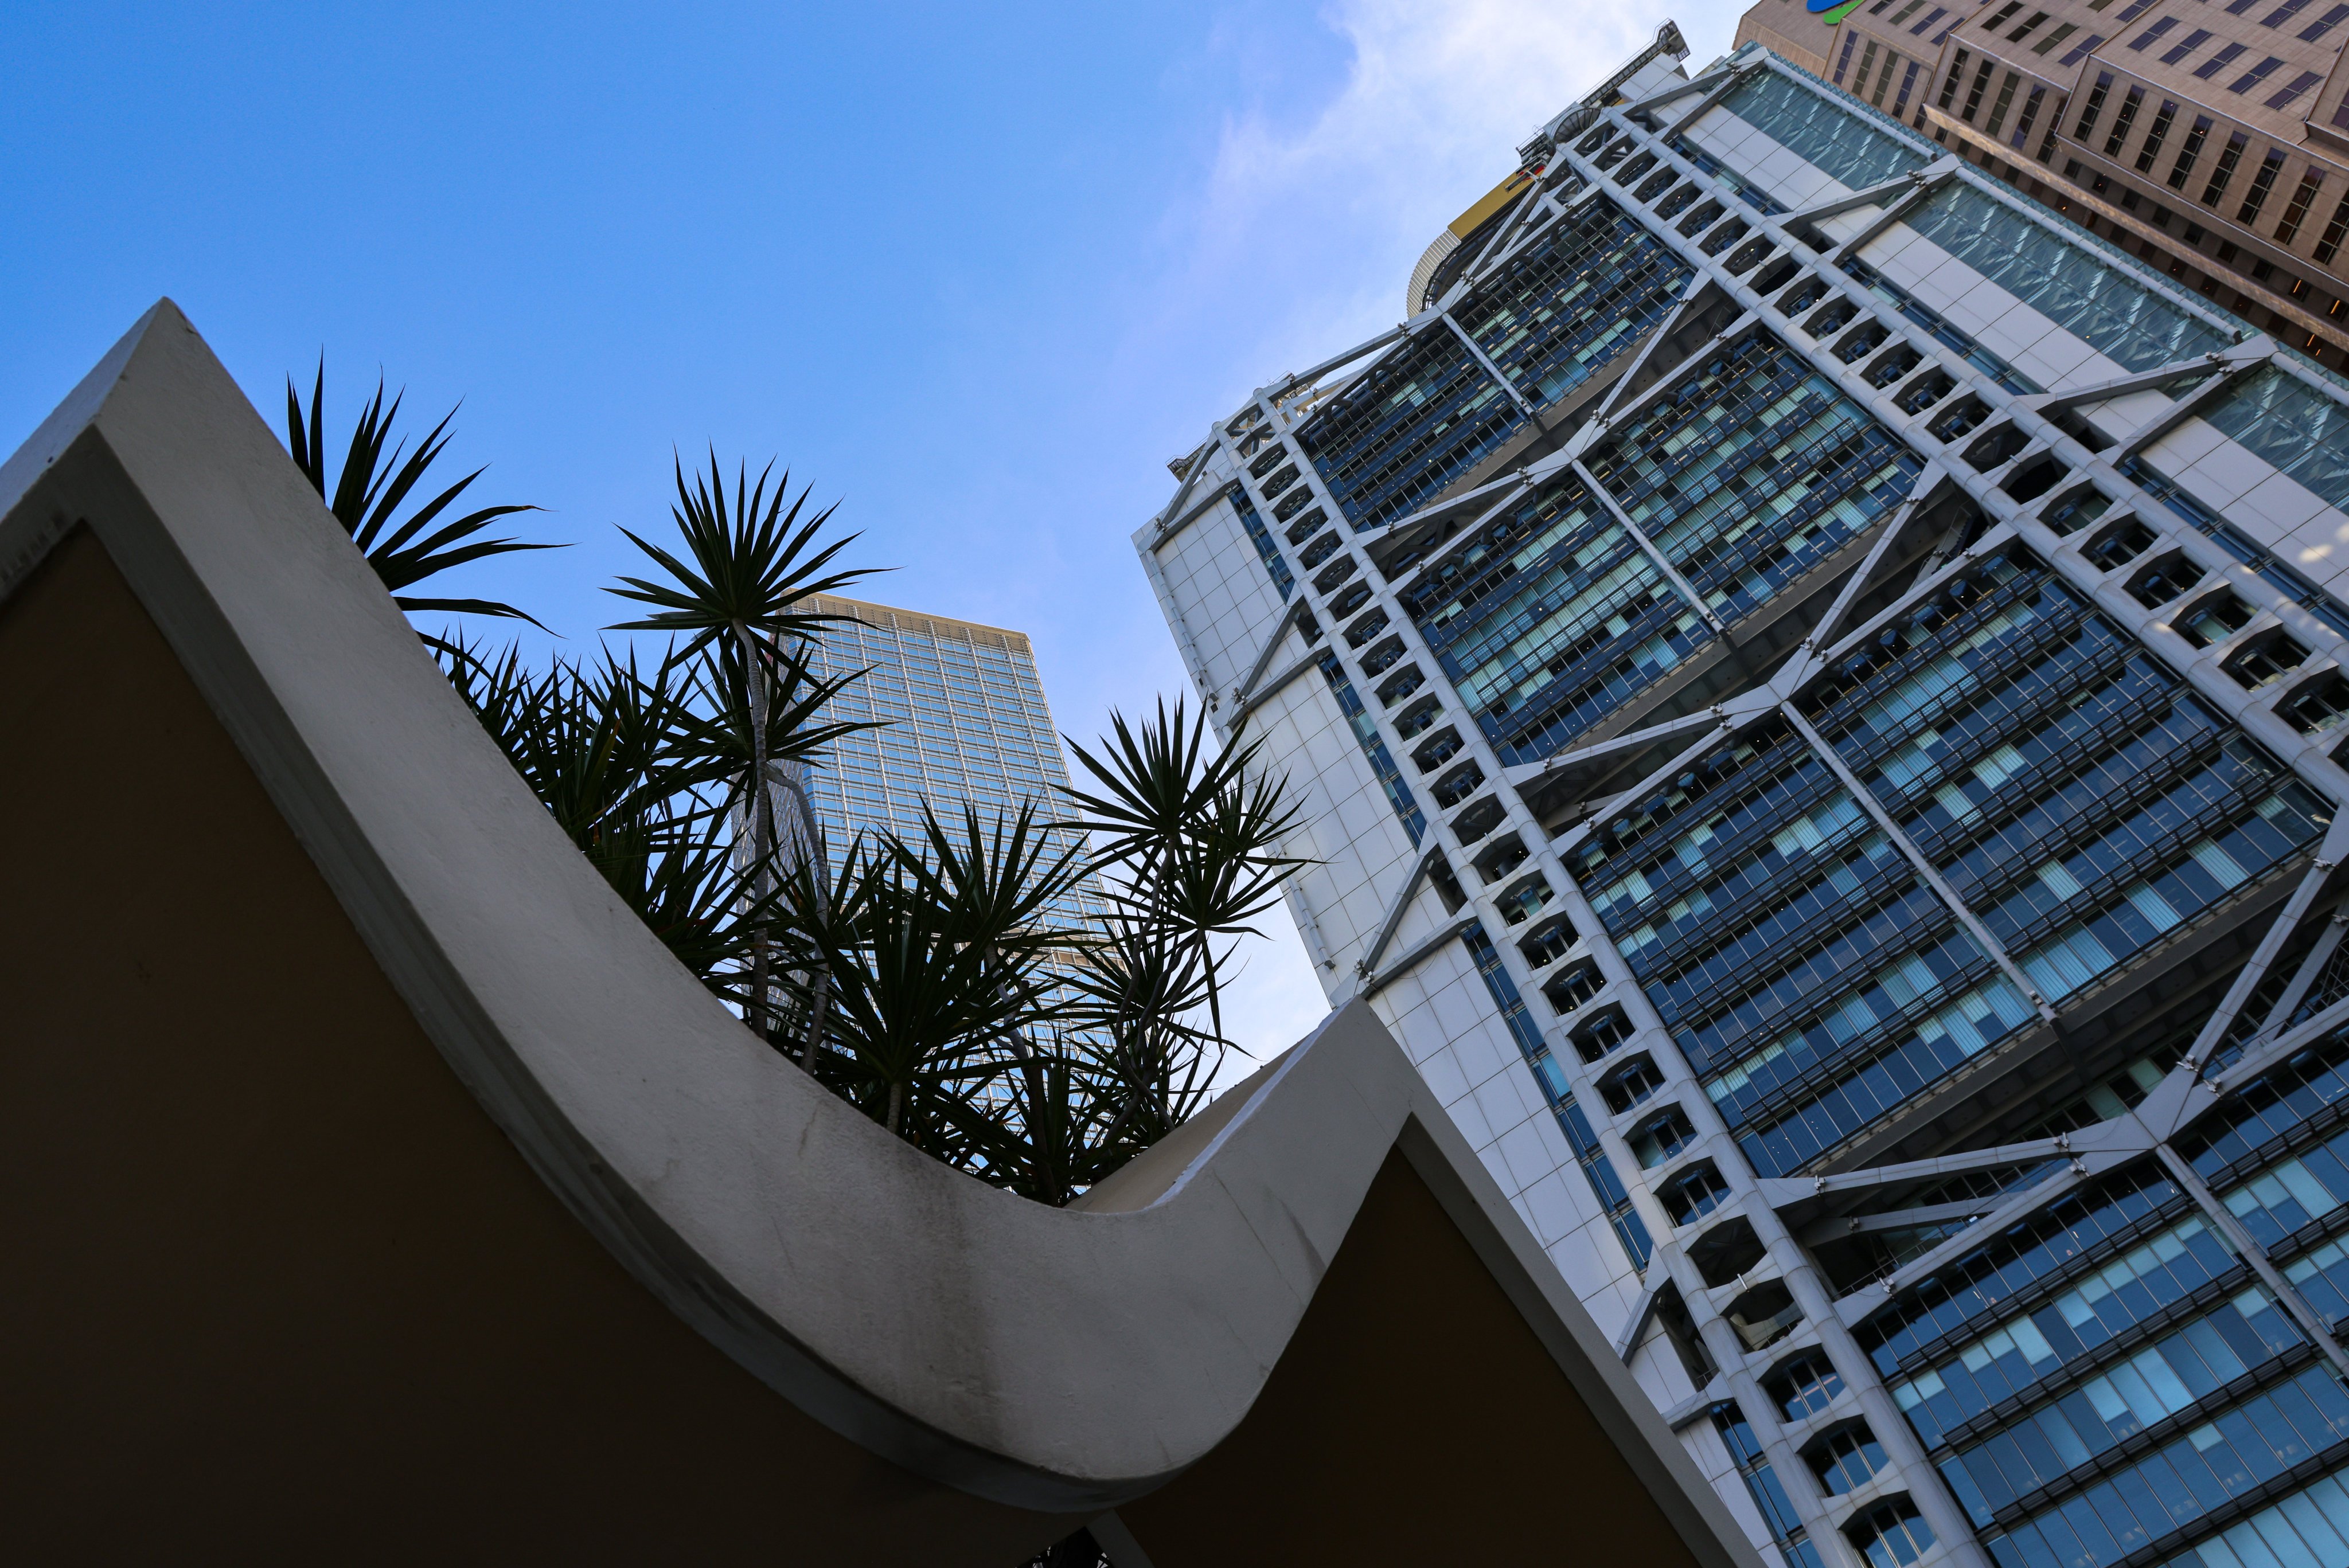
x,y
1815,685
965,721
2211,139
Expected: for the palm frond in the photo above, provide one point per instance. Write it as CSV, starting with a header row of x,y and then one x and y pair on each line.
x,y
752,562
379,473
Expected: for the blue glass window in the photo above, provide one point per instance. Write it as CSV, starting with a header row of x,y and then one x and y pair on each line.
x,y
2029,1351
1829,136
2148,1387
2311,1526
2293,427
1588,289
1762,1484
2072,792
2089,297
1930,1319
1408,427
1891,1534
1553,617
2169,1489
1550,619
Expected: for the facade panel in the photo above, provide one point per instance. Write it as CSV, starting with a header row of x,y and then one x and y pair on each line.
x,y
965,720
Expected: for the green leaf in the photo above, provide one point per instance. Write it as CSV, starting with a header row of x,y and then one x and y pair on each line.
x,y
367,494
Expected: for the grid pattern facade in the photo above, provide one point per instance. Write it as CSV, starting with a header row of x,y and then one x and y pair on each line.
x,y
1869,888
964,718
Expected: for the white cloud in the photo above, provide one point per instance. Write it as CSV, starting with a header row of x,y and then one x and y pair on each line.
x,y
1331,210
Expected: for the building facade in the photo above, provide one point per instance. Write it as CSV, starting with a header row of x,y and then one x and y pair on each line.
x,y
2211,139
963,718
1815,684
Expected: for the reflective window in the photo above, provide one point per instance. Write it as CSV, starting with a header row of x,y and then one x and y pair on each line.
x,y
1891,1534
1940,1307
2291,426
2142,1390
1261,537
2185,1479
1374,746
2023,1352
1588,289
2309,1529
2089,297
1846,1458
1413,423
1597,1168
1803,1384
1785,1524
1827,135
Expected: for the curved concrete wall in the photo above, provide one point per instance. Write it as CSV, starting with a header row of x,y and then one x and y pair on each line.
x,y
296,946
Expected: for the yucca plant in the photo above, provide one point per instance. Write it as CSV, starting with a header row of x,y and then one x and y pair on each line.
x,y
379,472
1186,840
746,570
936,964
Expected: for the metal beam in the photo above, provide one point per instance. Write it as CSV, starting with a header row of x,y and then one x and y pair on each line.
x,y
1491,369
1822,635
1273,639
2244,1243
1182,491
2272,942
1643,1312
1923,182
2121,387
1711,101
1867,800
1267,690
1671,378
2252,1064
1526,773
1370,345
1369,963
1208,504
1375,983
2319,955
2185,407
2122,1137
1697,284
1506,487
1681,585
1838,1226
1871,196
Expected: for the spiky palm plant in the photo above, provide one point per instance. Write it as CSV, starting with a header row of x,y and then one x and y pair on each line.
x,y
1187,839
619,757
752,565
379,472
938,957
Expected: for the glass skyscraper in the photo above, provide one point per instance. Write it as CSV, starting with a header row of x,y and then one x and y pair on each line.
x,y
1815,688
965,721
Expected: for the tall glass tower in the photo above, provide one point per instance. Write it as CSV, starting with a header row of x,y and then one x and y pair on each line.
x,y
965,721
1816,685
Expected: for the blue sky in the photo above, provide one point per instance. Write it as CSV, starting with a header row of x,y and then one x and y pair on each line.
x,y
974,272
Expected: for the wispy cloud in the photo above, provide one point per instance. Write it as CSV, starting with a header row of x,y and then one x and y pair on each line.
x,y
1329,212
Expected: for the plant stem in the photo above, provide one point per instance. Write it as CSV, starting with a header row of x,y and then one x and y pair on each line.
x,y
762,819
